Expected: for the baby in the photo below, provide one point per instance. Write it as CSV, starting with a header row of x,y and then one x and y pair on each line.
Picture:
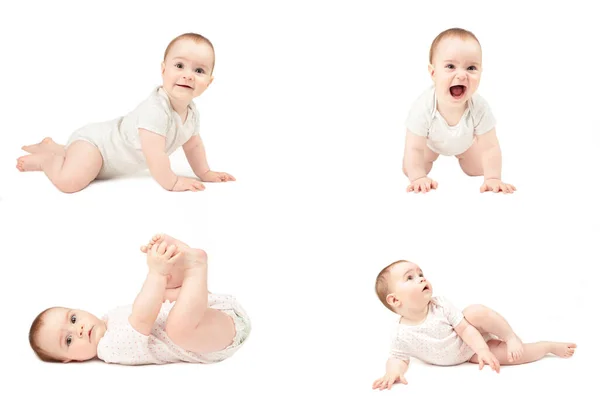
x,y
450,119
434,331
174,318
144,138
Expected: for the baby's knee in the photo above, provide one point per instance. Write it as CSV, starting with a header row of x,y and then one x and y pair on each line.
x,y
69,185
476,312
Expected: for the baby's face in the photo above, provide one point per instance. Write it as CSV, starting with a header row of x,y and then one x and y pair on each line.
x,y
71,335
187,70
456,70
409,286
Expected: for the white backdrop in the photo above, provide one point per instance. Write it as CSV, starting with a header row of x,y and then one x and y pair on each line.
x,y
307,110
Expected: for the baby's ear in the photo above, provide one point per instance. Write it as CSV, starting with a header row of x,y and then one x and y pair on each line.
x,y
392,300
431,70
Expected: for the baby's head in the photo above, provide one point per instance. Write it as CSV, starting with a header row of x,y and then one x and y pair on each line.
x,y
455,65
61,335
401,286
187,66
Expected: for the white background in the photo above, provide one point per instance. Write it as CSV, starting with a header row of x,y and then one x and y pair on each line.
x,y
307,110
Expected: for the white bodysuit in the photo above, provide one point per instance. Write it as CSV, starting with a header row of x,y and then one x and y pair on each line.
x,y
425,120
122,344
434,340
119,141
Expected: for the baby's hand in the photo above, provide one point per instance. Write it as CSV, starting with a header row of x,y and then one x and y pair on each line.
x,y
388,380
161,258
213,176
184,184
424,184
487,357
496,185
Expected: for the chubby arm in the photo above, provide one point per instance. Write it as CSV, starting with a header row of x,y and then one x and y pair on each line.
x,y
153,147
394,372
196,155
471,336
491,155
148,302
414,156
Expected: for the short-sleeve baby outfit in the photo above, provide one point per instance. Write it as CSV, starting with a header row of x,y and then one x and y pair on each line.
x,y
119,141
434,340
425,120
122,344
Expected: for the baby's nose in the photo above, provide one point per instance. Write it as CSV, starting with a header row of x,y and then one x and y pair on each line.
x,y
80,331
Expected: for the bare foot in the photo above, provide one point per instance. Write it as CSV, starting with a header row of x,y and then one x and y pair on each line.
x,y
32,162
564,350
514,349
47,145
161,237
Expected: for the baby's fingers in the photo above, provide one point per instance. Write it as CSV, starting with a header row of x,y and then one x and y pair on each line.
x,y
403,380
390,383
377,383
161,249
496,364
170,251
197,186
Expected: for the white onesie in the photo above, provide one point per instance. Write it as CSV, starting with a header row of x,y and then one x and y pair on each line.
x,y
122,344
434,340
119,141
425,120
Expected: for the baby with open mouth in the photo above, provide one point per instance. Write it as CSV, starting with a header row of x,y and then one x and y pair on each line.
x,y
431,329
451,119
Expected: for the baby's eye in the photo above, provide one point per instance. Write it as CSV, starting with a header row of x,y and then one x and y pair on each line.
x,y
179,65
472,68
450,66
199,70
73,318
409,277
68,341
421,275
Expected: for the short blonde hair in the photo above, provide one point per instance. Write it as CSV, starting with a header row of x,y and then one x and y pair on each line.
x,y
382,286
196,38
452,32
34,333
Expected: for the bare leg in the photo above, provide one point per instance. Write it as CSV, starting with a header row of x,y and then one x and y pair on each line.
x,y
47,145
471,161
191,324
429,157
531,351
69,173
487,320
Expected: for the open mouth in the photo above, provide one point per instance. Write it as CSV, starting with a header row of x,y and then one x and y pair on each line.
x,y
426,288
185,86
458,91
